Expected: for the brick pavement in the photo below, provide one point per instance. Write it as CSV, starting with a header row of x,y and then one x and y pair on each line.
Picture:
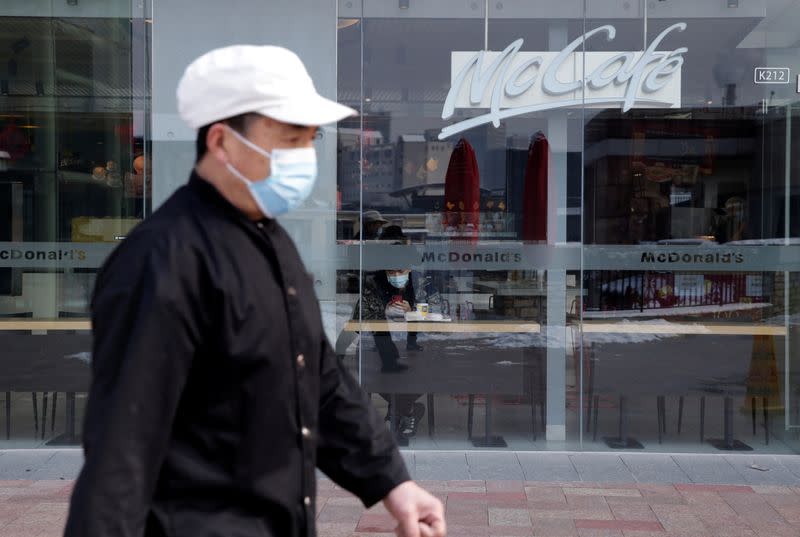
x,y
502,508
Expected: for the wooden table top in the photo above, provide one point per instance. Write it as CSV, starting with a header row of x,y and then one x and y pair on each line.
x,y
45,324
487,327
684,328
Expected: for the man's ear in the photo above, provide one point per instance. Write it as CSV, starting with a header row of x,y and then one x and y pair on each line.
x,y
215,142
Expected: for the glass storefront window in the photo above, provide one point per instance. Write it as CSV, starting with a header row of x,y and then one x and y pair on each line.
x,y
569,226
596,218
74,180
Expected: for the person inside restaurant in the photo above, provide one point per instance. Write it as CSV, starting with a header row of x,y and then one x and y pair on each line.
x,y
389,295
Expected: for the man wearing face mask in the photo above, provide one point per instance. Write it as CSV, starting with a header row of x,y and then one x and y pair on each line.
x,y
215,394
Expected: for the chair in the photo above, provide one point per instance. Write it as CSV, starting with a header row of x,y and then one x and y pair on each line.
x,y
19,315
535,377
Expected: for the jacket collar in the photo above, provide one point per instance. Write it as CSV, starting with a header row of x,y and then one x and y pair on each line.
x,y
209,193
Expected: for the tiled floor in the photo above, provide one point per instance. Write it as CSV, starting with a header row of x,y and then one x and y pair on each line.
x,y
496,494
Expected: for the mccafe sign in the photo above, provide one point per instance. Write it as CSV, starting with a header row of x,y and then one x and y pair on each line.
x,y
514,82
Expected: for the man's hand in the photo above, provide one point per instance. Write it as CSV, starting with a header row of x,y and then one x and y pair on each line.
x,y
418,513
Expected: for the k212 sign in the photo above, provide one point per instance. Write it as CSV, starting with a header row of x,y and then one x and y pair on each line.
x,y
516,82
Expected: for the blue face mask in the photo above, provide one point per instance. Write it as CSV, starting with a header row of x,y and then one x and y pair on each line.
x,y
399,280
292,178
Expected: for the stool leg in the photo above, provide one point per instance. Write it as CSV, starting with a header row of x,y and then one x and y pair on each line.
x,y
431,419
533,411
8,415
35,415
702,418
543,414
680,413
766,422
470,410
753,405
44,413
660,415
623,420
594,419
53,419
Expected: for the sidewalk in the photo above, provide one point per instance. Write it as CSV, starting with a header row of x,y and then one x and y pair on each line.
x,y
494,494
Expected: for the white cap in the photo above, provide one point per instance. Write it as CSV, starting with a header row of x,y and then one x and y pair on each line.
x,y
267,80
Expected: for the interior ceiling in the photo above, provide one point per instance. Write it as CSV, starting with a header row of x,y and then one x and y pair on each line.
x,y
87,58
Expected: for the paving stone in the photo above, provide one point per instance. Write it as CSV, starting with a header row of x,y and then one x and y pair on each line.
x,y
507,499
340,514
594,532
634,493
510,531
376,523
549,494
466,514
509,517
587,502
335,529
633,512
620,525
655,469
715,488
554,528
22,464
547,467
411,465
776,474
602,467
441,466
495,466
64,464
772,489
505,486
468,531
709,469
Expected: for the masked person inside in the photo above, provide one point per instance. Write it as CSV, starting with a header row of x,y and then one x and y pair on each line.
x,y
215,394
389,295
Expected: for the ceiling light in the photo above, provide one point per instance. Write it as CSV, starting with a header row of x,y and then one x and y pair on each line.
x,y
403,4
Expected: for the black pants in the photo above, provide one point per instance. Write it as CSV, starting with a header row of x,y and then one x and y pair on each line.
x,y
390,357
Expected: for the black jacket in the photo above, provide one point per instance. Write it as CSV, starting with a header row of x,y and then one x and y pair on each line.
x,y
215,393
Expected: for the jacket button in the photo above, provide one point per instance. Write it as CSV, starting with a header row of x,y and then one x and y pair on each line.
x,y
301,361
260,225
291,291
306,432
307,501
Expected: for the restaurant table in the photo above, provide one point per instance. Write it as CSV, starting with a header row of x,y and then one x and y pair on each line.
x,y
441,378
673,328
41,355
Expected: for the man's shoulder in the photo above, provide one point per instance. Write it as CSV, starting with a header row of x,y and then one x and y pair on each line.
x,y
175,225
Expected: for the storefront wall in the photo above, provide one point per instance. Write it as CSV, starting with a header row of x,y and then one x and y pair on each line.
x,y
606,265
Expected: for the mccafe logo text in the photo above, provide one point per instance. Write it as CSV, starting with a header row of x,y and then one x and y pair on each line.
x,y
511,83
675,257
